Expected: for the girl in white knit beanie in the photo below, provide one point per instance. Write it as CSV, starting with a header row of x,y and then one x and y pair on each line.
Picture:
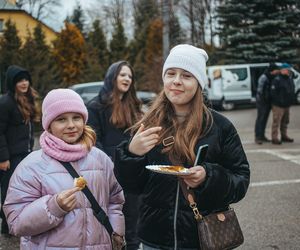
x,y
170,133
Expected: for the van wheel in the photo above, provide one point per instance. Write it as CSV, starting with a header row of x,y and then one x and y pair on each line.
x,y
227,105
298,97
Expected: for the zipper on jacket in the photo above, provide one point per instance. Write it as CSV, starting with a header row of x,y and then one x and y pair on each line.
x,y
175,217
84,208
84,222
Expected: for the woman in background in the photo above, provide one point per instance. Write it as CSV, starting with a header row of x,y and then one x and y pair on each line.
x,y
19,110
114,110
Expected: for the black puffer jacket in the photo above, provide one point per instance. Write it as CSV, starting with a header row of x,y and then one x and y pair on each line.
x,y
16,137
283,91
228,177
108,136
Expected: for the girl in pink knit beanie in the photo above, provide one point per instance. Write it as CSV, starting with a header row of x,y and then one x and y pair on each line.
x,y
42,204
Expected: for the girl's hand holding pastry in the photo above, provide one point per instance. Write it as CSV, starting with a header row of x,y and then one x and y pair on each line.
x,y
67,199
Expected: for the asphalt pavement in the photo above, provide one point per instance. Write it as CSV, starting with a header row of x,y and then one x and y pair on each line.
x,y
269,215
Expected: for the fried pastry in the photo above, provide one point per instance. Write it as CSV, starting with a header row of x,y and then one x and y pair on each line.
x,y
80,182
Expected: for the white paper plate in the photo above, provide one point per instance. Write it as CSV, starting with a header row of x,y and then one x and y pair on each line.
x,y
163,169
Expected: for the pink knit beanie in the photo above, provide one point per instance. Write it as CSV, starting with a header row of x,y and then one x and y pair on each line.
x,y
59,101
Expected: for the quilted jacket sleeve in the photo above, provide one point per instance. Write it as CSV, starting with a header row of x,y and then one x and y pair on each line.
x,y
28,212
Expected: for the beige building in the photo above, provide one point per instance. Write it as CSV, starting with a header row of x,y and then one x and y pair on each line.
x,y
24,21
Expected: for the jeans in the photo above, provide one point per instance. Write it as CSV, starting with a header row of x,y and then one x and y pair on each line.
x,y
263,111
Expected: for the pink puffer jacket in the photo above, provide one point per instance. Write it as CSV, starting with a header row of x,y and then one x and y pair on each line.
x,y
33,213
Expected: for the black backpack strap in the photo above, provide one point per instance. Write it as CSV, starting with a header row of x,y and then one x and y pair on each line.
x,y
98,211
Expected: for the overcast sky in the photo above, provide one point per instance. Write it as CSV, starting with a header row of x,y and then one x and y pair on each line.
x,y
67,7
92,9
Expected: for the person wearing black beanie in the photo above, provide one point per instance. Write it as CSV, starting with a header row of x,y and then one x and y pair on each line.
x,y
19,110
263,102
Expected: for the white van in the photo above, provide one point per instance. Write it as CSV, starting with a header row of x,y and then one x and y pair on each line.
x,y
231,85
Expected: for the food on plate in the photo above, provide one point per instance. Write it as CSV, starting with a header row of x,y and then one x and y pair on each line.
x,y
173,168
169,169
80,182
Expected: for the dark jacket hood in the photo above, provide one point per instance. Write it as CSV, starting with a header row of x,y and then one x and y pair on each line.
x,y
11,73
108,81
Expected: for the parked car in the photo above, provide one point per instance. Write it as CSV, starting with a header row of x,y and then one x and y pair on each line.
x,y
231,85
89,90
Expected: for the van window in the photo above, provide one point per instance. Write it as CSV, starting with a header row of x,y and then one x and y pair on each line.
x,y
240,74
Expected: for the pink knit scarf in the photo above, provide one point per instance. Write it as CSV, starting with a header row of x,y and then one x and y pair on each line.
x,y
60,150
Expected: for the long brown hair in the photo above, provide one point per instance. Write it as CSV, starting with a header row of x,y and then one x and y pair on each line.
x,y
29,105
125,111
186,134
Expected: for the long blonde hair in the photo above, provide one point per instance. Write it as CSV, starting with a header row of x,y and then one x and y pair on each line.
x,y
186,134
88,137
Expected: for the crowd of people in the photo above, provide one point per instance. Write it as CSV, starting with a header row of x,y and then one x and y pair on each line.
x,y
110,141
276,92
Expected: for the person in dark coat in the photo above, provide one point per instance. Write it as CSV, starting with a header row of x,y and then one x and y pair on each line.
x,y
19,110
114,110
263,102
170,133
282,98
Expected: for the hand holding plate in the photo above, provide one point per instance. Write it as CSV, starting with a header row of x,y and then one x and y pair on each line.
x,y
196,177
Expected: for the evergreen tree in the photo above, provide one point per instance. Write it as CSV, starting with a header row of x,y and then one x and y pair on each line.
x,y
78,18
259,31
27,54
145,12
40,39
93,70
118,48
10,45
175,35
69,52
37,59
97,42
153,57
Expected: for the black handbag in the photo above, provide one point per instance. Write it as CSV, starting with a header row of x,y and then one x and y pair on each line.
x,y
118,242
218,230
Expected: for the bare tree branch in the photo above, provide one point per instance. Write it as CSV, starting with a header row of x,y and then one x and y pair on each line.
x,y
39,9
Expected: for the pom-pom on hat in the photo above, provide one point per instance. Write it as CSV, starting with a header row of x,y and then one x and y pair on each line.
x,y
189,58
59,101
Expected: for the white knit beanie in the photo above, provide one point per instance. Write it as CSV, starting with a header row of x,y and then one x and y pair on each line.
x,y
189,58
